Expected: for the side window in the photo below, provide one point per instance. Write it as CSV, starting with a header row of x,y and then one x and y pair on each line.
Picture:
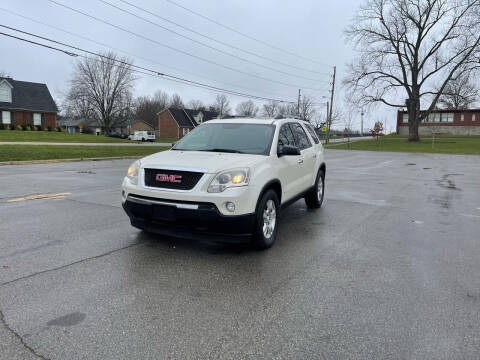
x,y
285,136
301,138
312,132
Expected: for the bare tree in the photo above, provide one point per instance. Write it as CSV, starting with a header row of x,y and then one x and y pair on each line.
x,y
270,109
196,105
3,74
99,87
246,108
348,124
412,49
307,110
287,110
221,105
147,108
176,102
162,99
460,93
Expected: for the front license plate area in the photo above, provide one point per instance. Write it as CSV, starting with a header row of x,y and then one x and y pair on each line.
x,y
164,212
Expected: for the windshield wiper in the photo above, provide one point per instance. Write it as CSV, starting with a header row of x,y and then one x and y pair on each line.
x,y
224,150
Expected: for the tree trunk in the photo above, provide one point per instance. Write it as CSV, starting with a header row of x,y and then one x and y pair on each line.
x,y
413,107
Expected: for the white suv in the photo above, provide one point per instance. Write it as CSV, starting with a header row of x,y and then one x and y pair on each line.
x,y
227,180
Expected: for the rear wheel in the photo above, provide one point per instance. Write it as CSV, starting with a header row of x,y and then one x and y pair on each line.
x,y
267,220
314,198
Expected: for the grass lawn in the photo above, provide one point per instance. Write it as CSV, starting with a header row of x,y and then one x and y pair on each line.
x,y
52,136
445,144
48,152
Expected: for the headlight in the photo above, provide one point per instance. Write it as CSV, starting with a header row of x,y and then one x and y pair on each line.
x,y
229,178
132,172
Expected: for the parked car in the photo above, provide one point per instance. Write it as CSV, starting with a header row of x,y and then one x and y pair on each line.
x,y
118,135
143,136
227,180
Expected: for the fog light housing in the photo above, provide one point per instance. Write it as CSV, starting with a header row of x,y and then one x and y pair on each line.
x,y
230,206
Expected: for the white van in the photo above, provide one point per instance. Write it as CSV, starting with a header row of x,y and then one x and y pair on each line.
x,y
143,136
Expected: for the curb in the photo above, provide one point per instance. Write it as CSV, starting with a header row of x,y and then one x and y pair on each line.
x,y
54,161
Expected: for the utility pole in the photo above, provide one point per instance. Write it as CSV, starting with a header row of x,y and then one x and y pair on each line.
x,y
362,113
329,124
298,104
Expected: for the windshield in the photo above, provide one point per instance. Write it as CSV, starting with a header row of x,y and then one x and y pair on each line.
x,y
229,137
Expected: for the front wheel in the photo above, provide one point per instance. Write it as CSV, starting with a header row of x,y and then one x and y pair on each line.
x,y
314,198
267,220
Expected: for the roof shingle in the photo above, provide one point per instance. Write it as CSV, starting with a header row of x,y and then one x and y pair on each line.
x,y
29,96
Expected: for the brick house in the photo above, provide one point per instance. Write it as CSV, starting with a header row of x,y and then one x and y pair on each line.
x,y
26,103
141,125
455,122
176,123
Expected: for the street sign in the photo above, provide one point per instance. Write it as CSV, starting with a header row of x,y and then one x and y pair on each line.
x,y
324,129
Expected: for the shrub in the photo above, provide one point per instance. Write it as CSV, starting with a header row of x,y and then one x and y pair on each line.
x,y
19,127
49,128
28,128
58,128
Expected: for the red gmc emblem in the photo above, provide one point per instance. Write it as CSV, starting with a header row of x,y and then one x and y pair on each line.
x,y
169,178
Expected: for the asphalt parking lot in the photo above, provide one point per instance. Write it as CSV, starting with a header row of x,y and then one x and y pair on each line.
x,y
388,269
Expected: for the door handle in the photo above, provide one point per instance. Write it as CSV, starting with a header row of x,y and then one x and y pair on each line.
x,y
300,161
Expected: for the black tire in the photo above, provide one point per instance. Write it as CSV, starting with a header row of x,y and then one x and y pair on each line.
x,y
264,238
314,198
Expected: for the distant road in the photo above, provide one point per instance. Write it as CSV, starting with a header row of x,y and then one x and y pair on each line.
x,y
82,144
341,140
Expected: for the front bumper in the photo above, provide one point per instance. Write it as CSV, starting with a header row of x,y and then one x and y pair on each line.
x,y
185,219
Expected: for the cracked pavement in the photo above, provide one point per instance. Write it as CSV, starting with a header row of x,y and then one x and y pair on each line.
x,y
388,268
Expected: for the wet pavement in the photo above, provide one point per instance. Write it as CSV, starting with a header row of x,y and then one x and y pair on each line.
x,y
387,269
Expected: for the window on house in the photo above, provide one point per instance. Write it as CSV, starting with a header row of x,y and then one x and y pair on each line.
x,y
437,117
405,118
462,117
431,118
185,131
6,117
474,117
447,117
5,93
37,119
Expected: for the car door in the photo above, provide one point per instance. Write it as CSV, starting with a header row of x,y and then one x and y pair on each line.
x,y
307,159
289,166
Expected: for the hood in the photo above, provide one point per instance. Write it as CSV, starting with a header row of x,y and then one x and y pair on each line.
x,y
213,162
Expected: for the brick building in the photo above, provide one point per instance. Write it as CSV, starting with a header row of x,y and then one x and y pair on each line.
x,y
26,103
455,122
176,123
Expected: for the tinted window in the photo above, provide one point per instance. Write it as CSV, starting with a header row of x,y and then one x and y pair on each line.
x,y
312,132
301,138
229,137
285,136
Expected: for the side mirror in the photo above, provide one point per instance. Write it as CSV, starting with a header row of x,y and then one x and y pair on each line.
x,y
287,150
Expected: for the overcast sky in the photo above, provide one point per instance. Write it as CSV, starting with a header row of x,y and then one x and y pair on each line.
x,y
312,29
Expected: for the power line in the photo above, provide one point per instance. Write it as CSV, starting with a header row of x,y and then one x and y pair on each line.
x,y
175,49
136,68
246,35
213,39
204,44
129,53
